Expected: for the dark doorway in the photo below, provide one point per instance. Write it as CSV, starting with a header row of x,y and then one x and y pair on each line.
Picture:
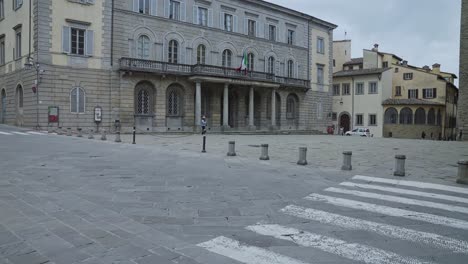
x,y
344,122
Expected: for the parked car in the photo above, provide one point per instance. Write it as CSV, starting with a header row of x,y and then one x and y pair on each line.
x,y
363,132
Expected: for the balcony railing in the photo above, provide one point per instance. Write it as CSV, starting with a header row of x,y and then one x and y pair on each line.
x,y
132,64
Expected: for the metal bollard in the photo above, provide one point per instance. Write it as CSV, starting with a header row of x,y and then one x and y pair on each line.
x,y
59,131
264,155
399,165
134,133
79,132
69,133
204,145
117,137
91,136
103,137
302,156
347,160
232,149
462,172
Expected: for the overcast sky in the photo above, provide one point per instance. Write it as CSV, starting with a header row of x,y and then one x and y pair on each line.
x,y
422,32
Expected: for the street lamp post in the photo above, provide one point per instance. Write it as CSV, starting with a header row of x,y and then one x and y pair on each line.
x,y
30,64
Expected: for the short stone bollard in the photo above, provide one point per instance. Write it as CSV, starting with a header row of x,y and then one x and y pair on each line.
x,y
264,155
399,165
79,132
69,132
462,172
117,137
59,131
91,136
347,160
103,136
232,149
302,156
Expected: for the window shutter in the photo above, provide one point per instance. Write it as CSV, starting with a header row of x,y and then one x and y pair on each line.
x,y
135,5
267,34
153,5
210,17
277,68
73,100
246,26
66,39
260,32
235,27
81,100
409,94
183,13
434,92
181,54
89,42
221,20
417,94
195,15
281,36
167,5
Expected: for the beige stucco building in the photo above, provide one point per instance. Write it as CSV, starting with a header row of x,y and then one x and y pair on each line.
x,y
382,92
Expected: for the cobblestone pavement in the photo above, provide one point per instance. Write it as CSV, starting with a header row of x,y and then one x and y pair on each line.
x,y
73,200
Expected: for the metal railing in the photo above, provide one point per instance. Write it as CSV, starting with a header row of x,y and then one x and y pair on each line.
x,y
141,65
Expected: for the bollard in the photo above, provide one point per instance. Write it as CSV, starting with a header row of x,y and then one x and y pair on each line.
x,y
204,144
117,137
103,137
462,172
91,136
302,156
134,132
264,155
347,160
79,132
59,131
232,149
399,165
69,133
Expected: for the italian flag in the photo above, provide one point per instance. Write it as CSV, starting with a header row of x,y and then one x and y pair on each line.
x,y
243,66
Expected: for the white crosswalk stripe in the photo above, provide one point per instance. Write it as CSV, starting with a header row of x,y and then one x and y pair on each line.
x,y
415,184
5,133
20,133
36,133
457,246
245,253
391,211
405,191
397,199
352,251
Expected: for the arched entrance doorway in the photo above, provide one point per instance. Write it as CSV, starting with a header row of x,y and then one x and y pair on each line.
x,y
292,110
3,103
345,122
144,98
175,107
19,105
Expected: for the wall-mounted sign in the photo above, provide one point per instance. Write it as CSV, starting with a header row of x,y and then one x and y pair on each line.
x,y
97,114
53,114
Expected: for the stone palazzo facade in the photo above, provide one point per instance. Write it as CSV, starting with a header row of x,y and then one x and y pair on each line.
x,y
160,65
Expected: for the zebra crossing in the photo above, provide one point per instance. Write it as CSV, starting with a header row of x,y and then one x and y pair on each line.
x,y
364,195
22,133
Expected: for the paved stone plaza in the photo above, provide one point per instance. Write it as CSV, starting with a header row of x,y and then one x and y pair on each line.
x,y
73,200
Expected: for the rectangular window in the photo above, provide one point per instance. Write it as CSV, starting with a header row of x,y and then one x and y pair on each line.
x,y
228,22
346,89
320,74
413,94
272,32
397,90
359,88
336,89
2,51
252,28
359,120
77,41
373,88
17,4
372,120
144,6
408,76
429,93
334,116
17,44
385,64
202,16
396,70
291,37
174,10
2,13
320,46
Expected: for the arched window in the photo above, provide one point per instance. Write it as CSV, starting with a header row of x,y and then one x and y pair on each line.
x,y
250,61
77,100
143,102
292,106
420,117
431,117
174,101
173,51
19,96
290,69
439,118
406,116
391,116
201,54
143,47
271,65
227,58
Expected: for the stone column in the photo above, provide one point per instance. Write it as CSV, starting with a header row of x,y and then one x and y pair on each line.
x,y
273,108
226,106
251,108
197,105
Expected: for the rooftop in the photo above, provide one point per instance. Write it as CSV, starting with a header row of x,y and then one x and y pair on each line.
x,y
354,61
360,72
409,102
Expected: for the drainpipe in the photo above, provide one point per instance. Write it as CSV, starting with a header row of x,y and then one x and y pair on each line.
x,y
30,29
352,103
112,36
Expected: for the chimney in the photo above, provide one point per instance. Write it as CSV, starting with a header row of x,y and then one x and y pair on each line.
x,y
404,63
376,47
426,68
436,68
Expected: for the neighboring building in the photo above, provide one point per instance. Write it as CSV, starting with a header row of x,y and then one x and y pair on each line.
x,y
380,91
463,101
160,65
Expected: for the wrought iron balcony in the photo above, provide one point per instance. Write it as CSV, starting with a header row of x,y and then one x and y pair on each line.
x,y
139,65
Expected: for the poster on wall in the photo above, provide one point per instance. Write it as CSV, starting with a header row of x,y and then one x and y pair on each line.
x,y
53,114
